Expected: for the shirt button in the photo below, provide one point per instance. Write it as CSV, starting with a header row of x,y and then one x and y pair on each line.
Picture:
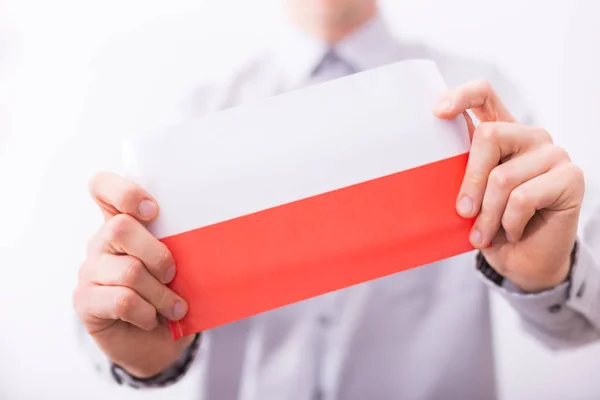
x,y
553,309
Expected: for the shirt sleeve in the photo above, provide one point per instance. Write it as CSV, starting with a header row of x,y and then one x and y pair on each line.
x,y
565,316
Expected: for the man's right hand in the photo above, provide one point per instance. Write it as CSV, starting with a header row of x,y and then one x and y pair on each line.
x,y
122,298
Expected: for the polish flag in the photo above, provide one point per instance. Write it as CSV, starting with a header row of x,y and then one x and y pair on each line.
x,y
301,194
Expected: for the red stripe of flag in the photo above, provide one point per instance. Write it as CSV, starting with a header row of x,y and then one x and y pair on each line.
x,y
251,264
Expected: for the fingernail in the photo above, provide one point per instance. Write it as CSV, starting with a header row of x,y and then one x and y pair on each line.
x,y
170,274
465,206
444,105
179,310
509,237
147,208
475,237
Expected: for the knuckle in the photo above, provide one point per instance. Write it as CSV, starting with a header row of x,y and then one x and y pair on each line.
x,y
80,300
119,226
95,182
519,199
544,136
125,302
574,171
76,300
558,153
87,269
133,274
509,225
500,178
483,85
577,177
509,222
581,187
487,132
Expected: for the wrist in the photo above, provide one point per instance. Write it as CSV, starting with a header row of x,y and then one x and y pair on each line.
x,y
157,361
536,284
562,275
542,283
165,377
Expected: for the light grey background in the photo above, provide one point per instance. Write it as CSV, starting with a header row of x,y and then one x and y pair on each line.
x,y
76,76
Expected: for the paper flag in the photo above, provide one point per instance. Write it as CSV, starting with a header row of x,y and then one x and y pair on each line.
x,y
297,195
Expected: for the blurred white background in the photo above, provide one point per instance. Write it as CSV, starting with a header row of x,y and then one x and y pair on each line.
x,y
76,76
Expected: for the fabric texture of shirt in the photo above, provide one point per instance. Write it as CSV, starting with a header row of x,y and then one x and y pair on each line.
x,y
420,334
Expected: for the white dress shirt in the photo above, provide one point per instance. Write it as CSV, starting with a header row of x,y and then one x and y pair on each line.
x,y
420,334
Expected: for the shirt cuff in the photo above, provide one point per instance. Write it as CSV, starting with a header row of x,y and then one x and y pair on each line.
x,y
165,378
548,307
584,292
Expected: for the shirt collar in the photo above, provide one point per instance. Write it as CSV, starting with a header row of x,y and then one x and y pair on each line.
x,y
370,46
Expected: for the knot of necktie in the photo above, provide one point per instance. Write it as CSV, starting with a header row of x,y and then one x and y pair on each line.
x,y
331,66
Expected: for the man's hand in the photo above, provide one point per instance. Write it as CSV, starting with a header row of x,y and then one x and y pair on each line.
x,y
122,298
524,190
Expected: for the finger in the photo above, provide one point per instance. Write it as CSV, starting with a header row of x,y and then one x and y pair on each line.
x,y
501,182
128,271
117,195
123,234
492,143
100,303
470,124
478,96
557,190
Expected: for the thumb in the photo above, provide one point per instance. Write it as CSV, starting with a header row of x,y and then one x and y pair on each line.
x,y
117,195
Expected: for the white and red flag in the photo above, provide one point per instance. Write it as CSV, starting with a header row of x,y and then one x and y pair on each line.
x,y
304,193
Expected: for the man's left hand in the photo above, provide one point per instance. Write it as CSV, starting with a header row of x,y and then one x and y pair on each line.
x,y
524,191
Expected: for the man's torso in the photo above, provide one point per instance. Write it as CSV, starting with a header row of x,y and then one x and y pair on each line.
x,y
419,334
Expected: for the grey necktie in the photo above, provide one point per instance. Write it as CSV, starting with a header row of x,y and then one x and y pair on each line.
x,y
226,356
331,66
